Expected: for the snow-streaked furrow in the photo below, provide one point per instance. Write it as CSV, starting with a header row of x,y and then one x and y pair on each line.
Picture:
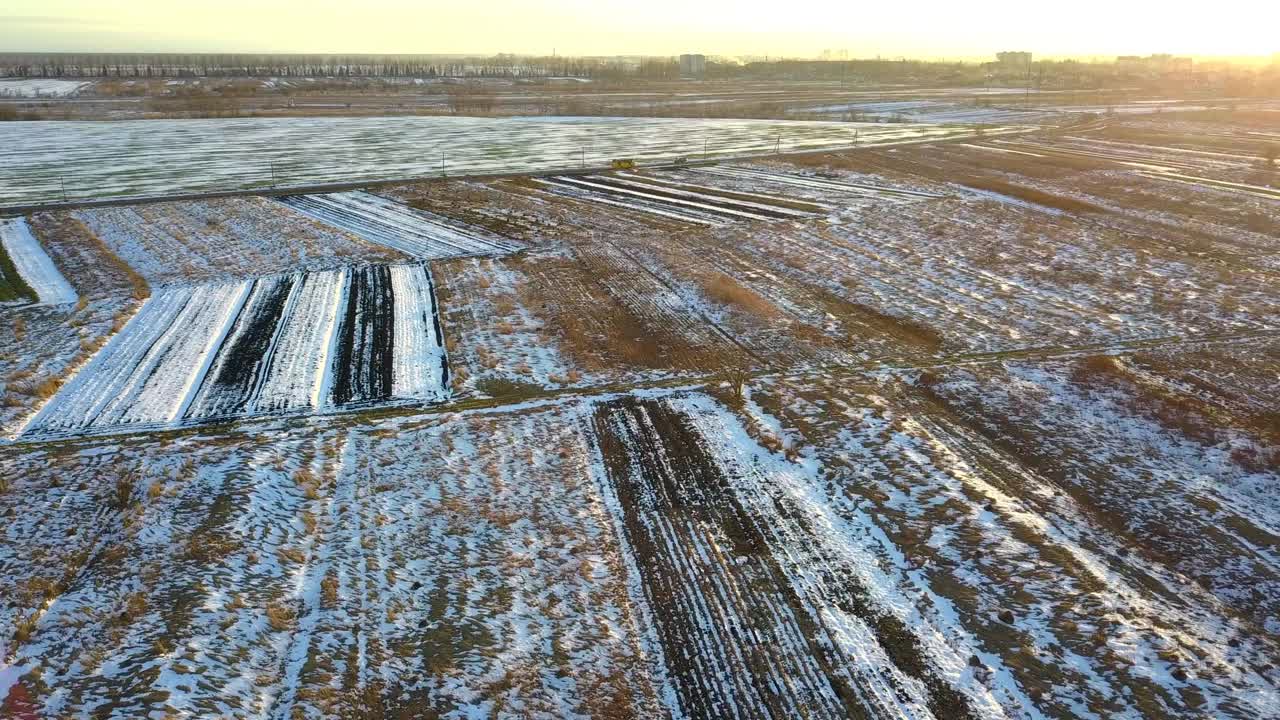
x,y
297,376
205,356
639,205
816,183
812,549
419,357
159,385
103,379
1158,622
363,343
1158,494
707,206
322,392
275,344
389,223
962,530
242,360
737,641
752,202
33,264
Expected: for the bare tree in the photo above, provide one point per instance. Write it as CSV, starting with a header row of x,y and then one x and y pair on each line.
x,y
737,377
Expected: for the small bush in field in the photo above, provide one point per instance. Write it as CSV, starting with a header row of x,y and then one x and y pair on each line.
x,y
280,616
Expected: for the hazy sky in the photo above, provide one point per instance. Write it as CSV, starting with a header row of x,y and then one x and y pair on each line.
x,y
947,28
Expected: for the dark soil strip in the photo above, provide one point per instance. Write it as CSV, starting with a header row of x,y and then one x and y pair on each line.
x,y
366,340
738,641
242,362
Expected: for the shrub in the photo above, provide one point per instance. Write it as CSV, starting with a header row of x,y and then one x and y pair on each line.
x,y
122,498
280,616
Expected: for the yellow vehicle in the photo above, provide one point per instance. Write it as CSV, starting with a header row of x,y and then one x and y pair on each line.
x,y
623,164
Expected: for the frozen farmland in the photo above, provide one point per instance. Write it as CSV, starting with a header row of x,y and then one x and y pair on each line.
x,y
298,342
150,157
414,232
974,430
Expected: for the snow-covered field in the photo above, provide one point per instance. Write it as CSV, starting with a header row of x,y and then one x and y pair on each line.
x,y
414,232
306,341
212,240
41,88
33,264
160,156
971,430
935,111
814,183
463,563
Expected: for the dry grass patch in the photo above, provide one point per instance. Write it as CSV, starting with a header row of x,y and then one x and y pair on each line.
x,y
1031,195
96,270
280,616
725,290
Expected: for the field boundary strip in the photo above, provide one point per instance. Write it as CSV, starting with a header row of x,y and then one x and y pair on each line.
x,y
685,382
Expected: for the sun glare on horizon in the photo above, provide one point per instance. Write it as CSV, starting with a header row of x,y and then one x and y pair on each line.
x,y
663,27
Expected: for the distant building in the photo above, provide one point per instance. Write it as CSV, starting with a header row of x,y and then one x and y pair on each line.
x,y
1158,64
1014,59
693,66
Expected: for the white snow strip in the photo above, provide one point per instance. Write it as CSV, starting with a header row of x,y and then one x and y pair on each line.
x,y
1007,151
323,390
418,358
33,263
1254,190
299,363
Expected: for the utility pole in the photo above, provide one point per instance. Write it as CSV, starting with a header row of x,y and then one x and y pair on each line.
x,y
777,148
704,148
584,157
273,173
63,180
441,163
